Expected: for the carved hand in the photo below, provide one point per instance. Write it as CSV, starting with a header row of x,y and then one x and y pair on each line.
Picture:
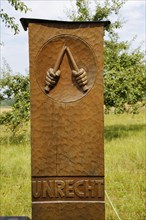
x,y
79,74
53,74
51,78
81,78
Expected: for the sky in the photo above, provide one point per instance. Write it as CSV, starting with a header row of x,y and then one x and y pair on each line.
x,y
15,47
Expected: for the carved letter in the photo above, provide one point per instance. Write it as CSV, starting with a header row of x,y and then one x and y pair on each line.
x,y
47,189
90,188
59,186
36,188
69,189
76,187
100,191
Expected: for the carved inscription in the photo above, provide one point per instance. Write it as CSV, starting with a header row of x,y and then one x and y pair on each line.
x,y
67,189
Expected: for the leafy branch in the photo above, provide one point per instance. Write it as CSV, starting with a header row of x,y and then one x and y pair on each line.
x,y
10,21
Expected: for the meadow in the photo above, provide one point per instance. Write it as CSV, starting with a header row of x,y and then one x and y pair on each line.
x,y
5,109
124,168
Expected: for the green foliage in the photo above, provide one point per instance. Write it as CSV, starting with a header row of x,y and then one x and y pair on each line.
x,y
10,21
83,11
7,102
103,9
15,87
124,69
124,77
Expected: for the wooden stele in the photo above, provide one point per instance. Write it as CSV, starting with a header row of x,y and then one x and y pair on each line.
x,y
66,119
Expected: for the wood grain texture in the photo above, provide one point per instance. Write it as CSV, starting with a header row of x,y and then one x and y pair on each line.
x,y
69,211
67,124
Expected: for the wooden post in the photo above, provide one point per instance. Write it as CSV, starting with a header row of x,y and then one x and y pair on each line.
x,y
67,123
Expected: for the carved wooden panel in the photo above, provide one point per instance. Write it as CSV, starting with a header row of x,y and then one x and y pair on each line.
x,y
66,75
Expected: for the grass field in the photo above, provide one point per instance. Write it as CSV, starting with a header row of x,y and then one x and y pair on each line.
x,y
124,169
5,109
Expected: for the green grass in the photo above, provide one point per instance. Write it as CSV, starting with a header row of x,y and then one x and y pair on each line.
x,y
124,166
15,186
124,169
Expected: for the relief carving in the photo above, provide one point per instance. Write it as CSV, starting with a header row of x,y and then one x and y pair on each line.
x,y
53,74
79,74
68,188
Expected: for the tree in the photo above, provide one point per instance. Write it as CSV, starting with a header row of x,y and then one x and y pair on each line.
x,y
124,70
14,87
9,22
124,77
103,9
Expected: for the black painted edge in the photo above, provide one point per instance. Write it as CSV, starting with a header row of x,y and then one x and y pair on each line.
x,y
25,22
